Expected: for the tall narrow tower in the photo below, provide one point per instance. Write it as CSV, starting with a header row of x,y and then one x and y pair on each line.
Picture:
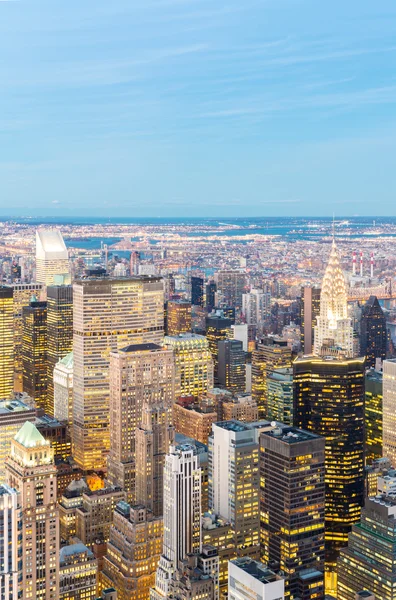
x,y
30,469
52,257
10,543
6,341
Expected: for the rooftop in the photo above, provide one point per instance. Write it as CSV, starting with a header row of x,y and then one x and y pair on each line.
x,y
290,435
29,436
74,549
256,569
50,244
149,347
67,361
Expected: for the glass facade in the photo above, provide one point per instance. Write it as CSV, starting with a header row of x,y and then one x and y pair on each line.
x,y
6,342
34,352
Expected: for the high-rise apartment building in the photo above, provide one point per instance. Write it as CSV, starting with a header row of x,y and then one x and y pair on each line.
x,y
108,314
231,365
367,563
232,285
256,306
140,375
133,552
373,333
13,414
234,482
11,551
270,354
59,333
182,515
197,291
329,401
30,469
218,328
78,571
152,442
22,294
34,352
292,507
52,257
193,364
388,410
333,332
280,396
249,578
63,388
310,308
373,415
6,341
178,317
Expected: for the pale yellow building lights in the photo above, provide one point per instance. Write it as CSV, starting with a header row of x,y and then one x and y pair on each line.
x,y
193,364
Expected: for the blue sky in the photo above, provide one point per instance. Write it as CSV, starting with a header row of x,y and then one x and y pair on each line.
x,y
197,107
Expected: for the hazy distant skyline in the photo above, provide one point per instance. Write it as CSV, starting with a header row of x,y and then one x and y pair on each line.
x,y
179,108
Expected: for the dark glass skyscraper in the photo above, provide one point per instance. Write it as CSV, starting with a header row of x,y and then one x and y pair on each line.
x,y
329,401
231,367
218,328
34,352
373,334
211,288
373,415
197,291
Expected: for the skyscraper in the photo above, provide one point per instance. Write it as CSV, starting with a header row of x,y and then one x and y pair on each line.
x,y
333,331
232,285
280,396
373,416
218,328
388,410
292,505
52,257
141,375
270,354
368,560
11,552
6,342
63,388
59,332
197,291
178,317
153,438
30,470
329,401
249,578
373,333
34,352
211,288
13,414
78,570
182,514
231,365
310,311
193,364
256,306
108,314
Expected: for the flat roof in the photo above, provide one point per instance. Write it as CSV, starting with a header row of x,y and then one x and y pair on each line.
x,y
256,569
149,347
291,435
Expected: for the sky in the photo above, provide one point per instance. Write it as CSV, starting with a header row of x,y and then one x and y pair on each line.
x,y
177,108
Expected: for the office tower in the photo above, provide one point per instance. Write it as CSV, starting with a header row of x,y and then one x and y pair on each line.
x,y
153,438
197,291
108,314
133,552
178,317
234,482
95,515
241,407
22,294
34,352
52,257
140,375
57,434
30,469
373,415
192,420
329,401
193,364
59,332
63,388
388,410
71,499
198,577
270,354
256,306
218,328
292,507
368,560
11,552
13,414
78,570
280,395
378,468
248,578
232,285
202,452
6,342
333,332
210,301
231,365
373,333
182,514
310,307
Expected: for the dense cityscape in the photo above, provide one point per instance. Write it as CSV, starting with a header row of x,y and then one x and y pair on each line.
x,y
198,409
